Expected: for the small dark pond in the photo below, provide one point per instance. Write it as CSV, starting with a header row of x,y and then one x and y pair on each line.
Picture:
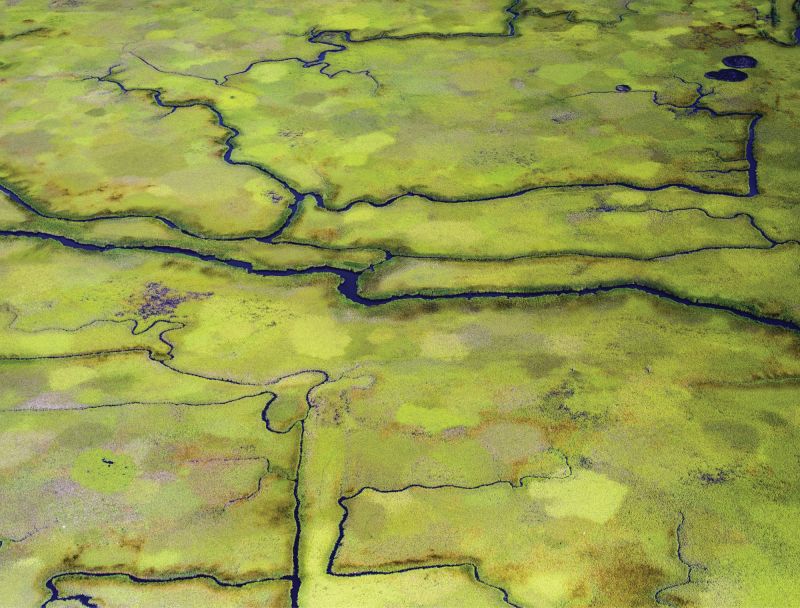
x,y
727,75
740,61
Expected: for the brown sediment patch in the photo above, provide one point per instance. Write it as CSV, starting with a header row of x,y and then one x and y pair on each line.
x,y
215,272
325,234
134,543
625,576
407,310
430,559
68,562
277,516
712,35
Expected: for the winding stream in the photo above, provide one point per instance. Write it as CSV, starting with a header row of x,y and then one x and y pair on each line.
x,y
348,281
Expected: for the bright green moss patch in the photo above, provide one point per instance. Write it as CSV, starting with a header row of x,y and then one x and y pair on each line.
x,y
433,420
592,497
103,470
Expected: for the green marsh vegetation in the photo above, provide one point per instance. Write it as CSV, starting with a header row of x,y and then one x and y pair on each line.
x,y
398,304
